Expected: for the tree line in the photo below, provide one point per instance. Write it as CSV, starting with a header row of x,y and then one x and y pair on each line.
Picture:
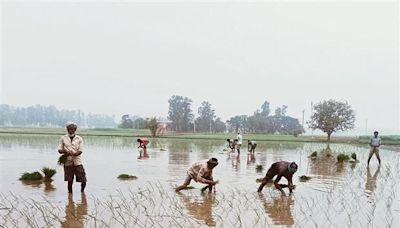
x,y
50,116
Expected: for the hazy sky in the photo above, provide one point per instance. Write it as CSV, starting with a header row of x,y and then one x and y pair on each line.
x,y
118,58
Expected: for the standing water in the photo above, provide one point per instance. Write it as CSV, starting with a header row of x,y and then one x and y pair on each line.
x,y
337,195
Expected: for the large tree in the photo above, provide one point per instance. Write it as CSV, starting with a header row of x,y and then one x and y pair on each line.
x,y
332,116
180,113
205,121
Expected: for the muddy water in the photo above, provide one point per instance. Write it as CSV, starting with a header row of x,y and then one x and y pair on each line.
x,y
338,195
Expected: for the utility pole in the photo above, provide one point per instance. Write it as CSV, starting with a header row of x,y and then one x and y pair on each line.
x,y
312,131
302,120
366,126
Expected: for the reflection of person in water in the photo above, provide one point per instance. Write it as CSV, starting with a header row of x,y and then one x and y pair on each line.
x,y
200,209
251,158
370,185
279,209
75,214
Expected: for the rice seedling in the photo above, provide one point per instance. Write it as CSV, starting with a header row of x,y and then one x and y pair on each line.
x,y
127,177
31,176
343,157
354,156
259,168
48,173
314,154
304,178
189,187
259,180
62,160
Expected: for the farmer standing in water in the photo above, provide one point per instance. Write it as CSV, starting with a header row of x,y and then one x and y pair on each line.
x,y
374,143
201,172
239,142
71,145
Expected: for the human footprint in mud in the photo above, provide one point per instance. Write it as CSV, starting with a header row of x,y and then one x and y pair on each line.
x,y
201,172
280,169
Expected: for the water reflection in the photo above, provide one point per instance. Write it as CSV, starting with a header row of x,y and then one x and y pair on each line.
x,y
370,185
251,159
48,186
279,209
200,208
75,213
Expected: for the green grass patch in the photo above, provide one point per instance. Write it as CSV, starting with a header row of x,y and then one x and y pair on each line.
x,y
31,176
343,157
127,177
48,173
304,178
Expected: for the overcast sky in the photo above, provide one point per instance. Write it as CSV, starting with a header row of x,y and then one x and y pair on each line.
x,y
119,58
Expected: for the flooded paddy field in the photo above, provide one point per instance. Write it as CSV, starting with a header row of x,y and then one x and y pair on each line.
x,y
337,195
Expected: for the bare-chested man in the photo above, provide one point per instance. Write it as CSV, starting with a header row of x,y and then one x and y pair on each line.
x,y
280,169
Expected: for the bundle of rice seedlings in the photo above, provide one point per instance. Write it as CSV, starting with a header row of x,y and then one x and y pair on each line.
x,y
343,157
259,168
314,154
31,176
354,156
126,177
48,173
190,187
304,178
62,160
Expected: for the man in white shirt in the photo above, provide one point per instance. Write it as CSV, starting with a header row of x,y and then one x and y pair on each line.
x,y
201,172
239,142
374,143
71,145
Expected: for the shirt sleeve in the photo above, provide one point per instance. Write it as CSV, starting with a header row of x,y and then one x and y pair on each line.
x,y
200,177
60,144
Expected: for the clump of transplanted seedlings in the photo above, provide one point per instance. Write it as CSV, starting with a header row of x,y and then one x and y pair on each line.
x,y
304,178
343,157
48,173
33,176
127,177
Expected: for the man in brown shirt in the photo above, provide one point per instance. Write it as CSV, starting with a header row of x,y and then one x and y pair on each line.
x,y
71,145
201,172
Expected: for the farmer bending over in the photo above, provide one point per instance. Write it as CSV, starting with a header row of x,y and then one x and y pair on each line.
x,y
251,145
201,172
280,169
143,147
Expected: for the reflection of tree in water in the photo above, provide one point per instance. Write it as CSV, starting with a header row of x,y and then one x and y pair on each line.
x,y
200,208
75,213
325,164
370,185
279,210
